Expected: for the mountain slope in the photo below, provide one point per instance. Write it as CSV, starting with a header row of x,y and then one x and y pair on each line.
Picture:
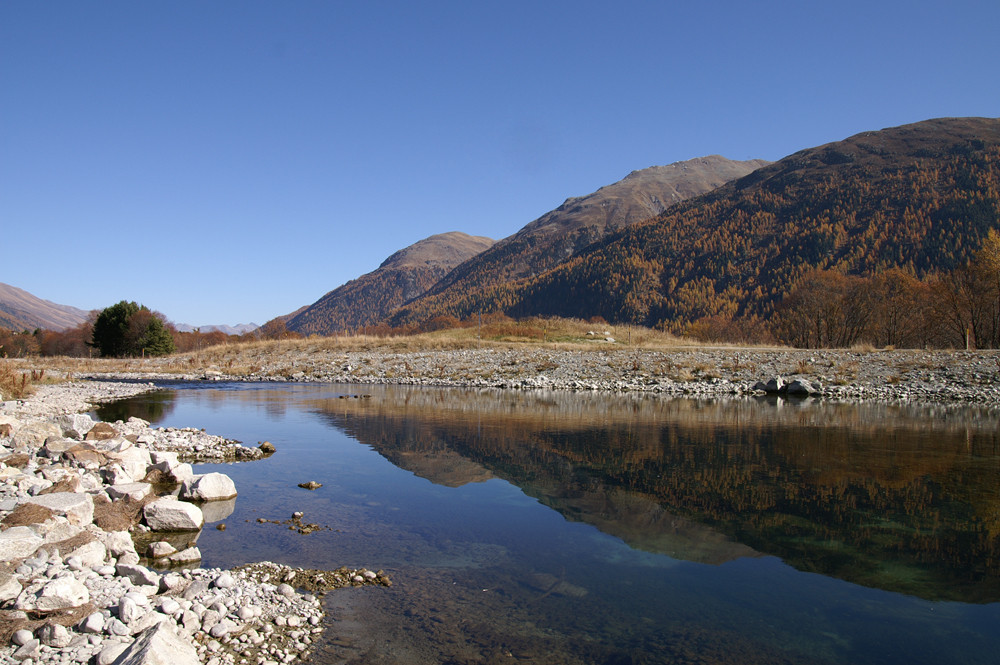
x,y
404,275
920,197
20,309
559,234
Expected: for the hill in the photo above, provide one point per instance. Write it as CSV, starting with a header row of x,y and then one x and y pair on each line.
x,y
405,275
920,197
20,310
561,233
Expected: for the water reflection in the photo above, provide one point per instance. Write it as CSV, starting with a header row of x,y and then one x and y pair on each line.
x,y
900,498
503,519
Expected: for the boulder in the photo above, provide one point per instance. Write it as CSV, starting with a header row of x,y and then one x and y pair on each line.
x,y
185,556
208,487
804,387
59,594
76,506
169,514
18,542
33,435
75,425
55,635
101,432
139,575
775,385
159,645
132,491
10,587
55,447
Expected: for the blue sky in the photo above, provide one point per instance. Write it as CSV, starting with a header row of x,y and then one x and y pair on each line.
x,y
226,162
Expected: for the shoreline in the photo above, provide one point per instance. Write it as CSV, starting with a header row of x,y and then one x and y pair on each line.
x,y
968,377
74,588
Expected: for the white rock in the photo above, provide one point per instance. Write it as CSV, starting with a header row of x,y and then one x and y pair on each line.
x,y
75,425
93,624
55,635
58,594
187,555
225,581
33,435
10,587
139,575
78,507
130,611
160,549
21,637
18,542
208,487
169,606
169,514
111,652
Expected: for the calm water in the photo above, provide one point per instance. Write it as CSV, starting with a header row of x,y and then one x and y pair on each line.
x,y
561,528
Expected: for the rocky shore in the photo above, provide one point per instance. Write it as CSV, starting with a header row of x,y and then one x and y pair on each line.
x,y
912,375
76,496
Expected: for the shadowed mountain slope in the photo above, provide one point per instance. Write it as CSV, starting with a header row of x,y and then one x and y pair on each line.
x,y
404,275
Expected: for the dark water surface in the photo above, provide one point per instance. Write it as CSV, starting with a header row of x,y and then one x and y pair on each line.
x,y
548,527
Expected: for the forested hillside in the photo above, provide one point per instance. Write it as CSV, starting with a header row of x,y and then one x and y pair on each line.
x,y
920,198
577,223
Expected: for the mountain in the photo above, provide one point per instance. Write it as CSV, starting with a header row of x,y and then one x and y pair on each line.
x,y
578,222
20,310
920,197
404,275
238,329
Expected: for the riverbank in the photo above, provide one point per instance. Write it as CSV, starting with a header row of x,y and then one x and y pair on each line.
x,y
909,375
77,495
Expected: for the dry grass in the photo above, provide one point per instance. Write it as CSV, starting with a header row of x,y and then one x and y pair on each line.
x,y
16,384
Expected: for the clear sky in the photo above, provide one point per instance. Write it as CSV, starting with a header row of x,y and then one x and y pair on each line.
x,y
227,162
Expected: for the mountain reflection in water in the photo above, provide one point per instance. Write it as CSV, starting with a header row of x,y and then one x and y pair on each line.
x,y
901,498
563,528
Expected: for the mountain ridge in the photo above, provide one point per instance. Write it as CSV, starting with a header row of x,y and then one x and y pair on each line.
x,y
20,310
564,231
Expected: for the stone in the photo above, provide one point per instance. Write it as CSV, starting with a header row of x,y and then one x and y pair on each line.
x,y
267,447
774,385
33,435
169,514
110,653
10,587
28,650
286,590
139,575
59,594
114,474
160,549
135,492
161,456
55,635
90,554
186,555
803,387
225,581
78,507
21,637
75,425
130,611
93,624
311,485
101,432
54,448
208,487
169,606
18,542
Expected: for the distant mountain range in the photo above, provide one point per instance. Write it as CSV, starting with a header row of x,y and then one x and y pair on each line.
x,y
20,310
238,329
369,299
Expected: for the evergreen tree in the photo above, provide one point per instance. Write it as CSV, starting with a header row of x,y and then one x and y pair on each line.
x,y
130,329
